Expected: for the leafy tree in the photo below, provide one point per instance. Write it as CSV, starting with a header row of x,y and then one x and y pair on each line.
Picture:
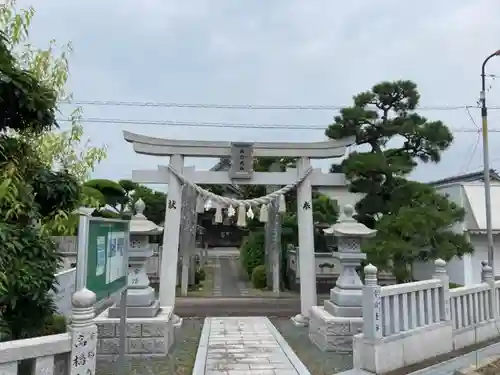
x,y
30,195
56,149
113,193
412,219
325,211
263,164
155,202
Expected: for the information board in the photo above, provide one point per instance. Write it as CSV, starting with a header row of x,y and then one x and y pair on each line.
x,y
102,262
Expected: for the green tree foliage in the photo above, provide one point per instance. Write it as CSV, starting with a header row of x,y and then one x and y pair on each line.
x,y
259,277
325,211
66,149
412,219
155,202
113,193
264,164
252,251
30,195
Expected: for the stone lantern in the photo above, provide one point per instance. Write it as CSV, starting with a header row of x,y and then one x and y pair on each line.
x,y
141,301
332,325
346,296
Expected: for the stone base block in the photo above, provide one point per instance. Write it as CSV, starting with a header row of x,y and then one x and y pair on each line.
x,y
330,333
300,321
146,337
178,323
402,349
115,311
336,310
139,297
347,297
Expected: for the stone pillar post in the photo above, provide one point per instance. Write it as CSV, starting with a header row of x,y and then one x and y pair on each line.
x,y
346,296
372,308
170,256
183,241
308,296
441,274
83,334
487,277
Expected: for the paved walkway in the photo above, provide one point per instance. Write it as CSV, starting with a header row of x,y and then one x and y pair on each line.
x,y
227,281
245,346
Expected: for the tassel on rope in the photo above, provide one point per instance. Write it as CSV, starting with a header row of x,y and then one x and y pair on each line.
x,y
264,213
242,220
282,204
250,214
231,211
218,214
200,204
208,205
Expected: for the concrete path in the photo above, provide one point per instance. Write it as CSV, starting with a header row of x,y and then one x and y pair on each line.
x,y
245,346
227,281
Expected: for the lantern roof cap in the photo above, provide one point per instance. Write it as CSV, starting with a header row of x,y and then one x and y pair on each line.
x,y
347,226
140,224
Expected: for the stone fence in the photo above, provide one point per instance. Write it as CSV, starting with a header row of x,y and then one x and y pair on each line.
x,y
69,353
409,323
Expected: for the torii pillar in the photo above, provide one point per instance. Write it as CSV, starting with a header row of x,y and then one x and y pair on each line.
x,y
308,296
170,251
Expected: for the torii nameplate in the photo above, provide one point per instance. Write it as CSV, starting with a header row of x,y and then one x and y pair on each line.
x,y
241,161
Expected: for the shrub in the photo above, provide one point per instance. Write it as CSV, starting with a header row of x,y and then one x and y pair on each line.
x,y
55,324
259,278
199,276
252,251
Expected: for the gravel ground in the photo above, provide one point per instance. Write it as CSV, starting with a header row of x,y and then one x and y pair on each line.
x,y
318,362
179,362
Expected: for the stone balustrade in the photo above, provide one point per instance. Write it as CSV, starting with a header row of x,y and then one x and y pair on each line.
x,y
50,353
68,353
410,306
409,323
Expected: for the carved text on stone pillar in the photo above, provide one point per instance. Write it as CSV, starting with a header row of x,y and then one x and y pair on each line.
x,y
84,352
377,306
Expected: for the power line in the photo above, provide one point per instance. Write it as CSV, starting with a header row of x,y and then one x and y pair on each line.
x,y
106,103
99,120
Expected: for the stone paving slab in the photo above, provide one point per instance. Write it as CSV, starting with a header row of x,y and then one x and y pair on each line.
x,y
245,346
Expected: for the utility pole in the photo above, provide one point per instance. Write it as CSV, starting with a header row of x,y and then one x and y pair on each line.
x,y
486,163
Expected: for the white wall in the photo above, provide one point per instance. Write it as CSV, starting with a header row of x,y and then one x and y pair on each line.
x,y
65,289
480,243
455,268
465,271
456,194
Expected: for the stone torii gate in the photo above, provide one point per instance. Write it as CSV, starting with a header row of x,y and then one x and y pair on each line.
x,y
176,174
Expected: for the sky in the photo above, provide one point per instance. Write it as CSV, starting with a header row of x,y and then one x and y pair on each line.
x,y
280,52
